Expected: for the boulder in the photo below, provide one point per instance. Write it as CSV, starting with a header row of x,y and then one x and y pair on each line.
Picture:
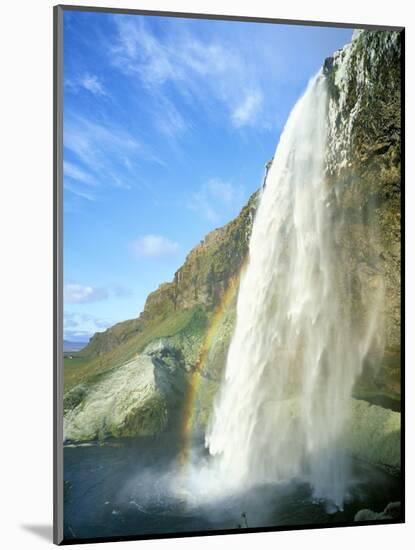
x,y
373,434
392,511
142,397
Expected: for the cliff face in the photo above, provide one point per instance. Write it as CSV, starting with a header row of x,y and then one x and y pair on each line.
x,y
144,366
364,168
201,281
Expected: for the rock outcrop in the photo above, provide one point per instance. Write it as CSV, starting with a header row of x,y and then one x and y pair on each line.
x,y
392,511
373,435
364,168
142,397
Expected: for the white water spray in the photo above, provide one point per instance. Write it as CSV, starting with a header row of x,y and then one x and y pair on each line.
x,y
295,353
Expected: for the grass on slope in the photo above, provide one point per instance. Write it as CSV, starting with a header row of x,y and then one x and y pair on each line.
x,y
81,369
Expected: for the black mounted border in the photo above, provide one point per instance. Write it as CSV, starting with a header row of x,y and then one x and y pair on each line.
x,y
58,12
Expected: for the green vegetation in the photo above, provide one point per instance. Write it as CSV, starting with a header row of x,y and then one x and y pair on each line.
x,y
185,325
74,369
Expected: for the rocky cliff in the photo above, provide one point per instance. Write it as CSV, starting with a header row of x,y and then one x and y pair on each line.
x,y
364,168
133,378
201,281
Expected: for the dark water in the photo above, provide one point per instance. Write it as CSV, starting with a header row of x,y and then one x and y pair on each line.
x,y
127,488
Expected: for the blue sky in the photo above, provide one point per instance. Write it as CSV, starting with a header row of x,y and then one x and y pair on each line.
x,y
168,124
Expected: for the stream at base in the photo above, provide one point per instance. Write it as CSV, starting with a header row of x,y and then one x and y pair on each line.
x,y
131,488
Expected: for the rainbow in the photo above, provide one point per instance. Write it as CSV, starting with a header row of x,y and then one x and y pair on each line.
x,y
196,376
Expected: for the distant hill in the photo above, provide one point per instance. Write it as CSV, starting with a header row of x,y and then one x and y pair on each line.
x,y
73,346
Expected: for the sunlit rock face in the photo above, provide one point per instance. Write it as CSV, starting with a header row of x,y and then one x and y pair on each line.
x,y
364,168
373,434
142,397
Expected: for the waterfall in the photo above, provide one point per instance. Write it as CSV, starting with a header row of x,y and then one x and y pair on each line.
x,y
295,352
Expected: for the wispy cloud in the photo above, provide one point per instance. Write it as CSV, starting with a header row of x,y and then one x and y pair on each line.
x,y
76,173
105,155
77,335
167,118
75,179
87,81
76,190
75,293
247,111
119,182
121,291
203,71
93,143
79,327
154,246
139,51
93,84
216,200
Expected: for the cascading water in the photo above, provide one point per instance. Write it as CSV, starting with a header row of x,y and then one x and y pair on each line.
x,y
295,352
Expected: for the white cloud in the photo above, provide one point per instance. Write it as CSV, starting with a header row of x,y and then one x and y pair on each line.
x,y
78,336
76,293
81,326
139,51
75,179
79,192
247,111
93,143
216,200
69,320
154,246
108,154
167,118
121,291
77,174
120,183
93,84
222,190
204,71
90,82
80,294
